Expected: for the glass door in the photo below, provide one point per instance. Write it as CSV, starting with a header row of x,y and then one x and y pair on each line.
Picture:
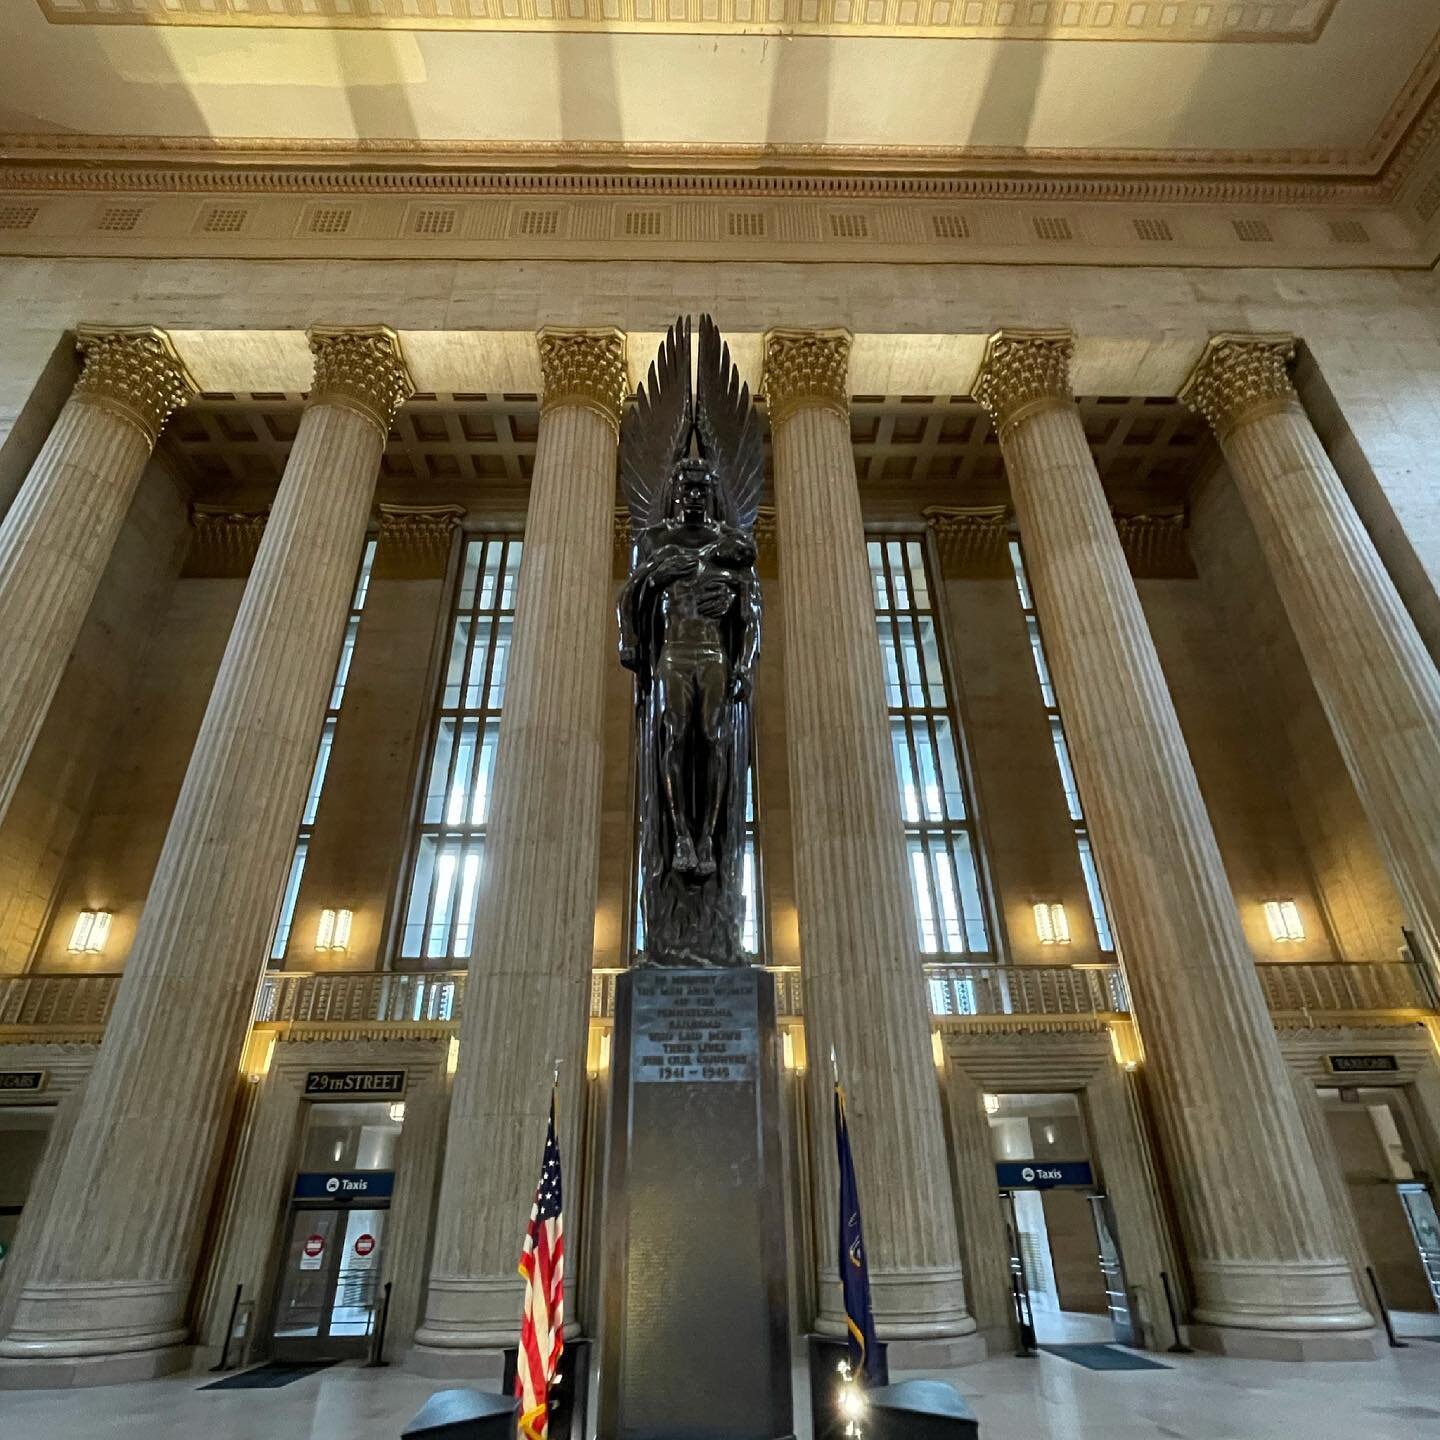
x,y
1117,1297
1425,1226
328,1299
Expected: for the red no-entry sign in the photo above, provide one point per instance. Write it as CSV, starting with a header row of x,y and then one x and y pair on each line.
x,y
364,1244
314,1245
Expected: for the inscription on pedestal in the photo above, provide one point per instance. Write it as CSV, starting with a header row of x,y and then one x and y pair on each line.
x,y
695,1028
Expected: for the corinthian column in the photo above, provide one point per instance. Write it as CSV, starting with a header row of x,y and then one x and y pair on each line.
x,y
864,988
1377,682
56,539
115,1256
527,997
1269,1270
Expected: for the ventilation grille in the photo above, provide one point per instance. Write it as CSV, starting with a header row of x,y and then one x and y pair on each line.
x,y
1252,231
745,224
849,226
1153,230
330,222
950,227
1348,232
432,222
1427,202
224,220
1052,227
539,222
642,222
119,217
18,217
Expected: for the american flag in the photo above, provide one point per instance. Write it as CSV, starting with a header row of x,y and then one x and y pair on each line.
x,y
542,1263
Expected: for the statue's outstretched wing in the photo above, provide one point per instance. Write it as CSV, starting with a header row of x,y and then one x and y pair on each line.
x,y
729,429
656,428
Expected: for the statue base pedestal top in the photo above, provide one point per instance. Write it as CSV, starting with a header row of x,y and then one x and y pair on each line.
x,y
695,1339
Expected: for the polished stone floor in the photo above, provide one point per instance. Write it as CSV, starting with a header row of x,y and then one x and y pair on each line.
x,y
1047,1398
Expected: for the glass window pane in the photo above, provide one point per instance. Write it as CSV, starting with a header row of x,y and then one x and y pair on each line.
x,y
1093,891
1067,774
509,584
910,654
447,880
287,901
479,657
500,664
1042,669
465,907
462,773
421,884
1022,582
968,873
952,941
954,792
434,807
934,675
362,585
482,565
750,923
919,582
932,800
317,776
877,575
342,670
895,559
924,901
455,668
889,665
904,770
484,778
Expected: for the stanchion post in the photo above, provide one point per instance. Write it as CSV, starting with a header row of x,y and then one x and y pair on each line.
x,y
377,1350
1179,1347
1395,1342
229,1331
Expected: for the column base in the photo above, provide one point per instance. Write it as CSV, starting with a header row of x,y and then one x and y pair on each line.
x,y
1240,1344
482,1367
947,1354
70,1372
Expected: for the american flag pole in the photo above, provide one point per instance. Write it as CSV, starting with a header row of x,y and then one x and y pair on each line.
x,y
542,1264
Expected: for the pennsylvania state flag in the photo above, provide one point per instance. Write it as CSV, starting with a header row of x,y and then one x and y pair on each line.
x,y
865,1361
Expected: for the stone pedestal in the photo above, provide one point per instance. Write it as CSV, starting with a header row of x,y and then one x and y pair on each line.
x,y
864,986
695,1340
1378,685
107,1296
1263,1247
527,1000
57,537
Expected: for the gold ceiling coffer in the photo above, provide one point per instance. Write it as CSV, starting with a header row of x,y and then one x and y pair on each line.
x,y
134,373
1023,373
1241,377
362,368
804,368
585,368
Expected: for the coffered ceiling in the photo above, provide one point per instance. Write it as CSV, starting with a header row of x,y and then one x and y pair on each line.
x,y
1173,86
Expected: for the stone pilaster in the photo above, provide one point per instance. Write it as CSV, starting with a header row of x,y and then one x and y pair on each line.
x,y
864,988
528,996
1378,685
108,1292
1267,1263
57,537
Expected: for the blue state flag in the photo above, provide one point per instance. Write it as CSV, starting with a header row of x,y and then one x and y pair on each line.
x,y
866,1363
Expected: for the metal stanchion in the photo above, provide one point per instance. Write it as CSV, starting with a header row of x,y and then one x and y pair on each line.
x,y
1395,1342
229,1331
377,1351
1179,1347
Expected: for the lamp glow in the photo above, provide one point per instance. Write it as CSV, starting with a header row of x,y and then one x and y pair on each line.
x,y
397,1112
1052,927
992,1104
1282,917
333,931
92,929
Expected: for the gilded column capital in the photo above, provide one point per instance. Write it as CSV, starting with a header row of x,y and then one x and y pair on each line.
x,y
1240,377
360,367
806,368
134,372
1023,372
585,368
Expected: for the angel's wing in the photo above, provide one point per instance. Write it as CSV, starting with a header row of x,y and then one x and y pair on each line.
x,y
729,429
656,429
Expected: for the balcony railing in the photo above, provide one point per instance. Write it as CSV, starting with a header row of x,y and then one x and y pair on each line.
x,y
79,1003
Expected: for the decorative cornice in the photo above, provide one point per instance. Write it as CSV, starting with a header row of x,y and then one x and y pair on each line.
x,y
1023,373
361,368
585,368
223,541
133,372
805,369
1154,544
1205,21
1241,377
418,524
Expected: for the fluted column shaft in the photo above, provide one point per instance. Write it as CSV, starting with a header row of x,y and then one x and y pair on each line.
x,y
528,992
1262,1242
864,988
115,1258
56,539
1378,685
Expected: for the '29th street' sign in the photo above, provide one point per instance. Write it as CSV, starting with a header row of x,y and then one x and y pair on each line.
x,y
349,1084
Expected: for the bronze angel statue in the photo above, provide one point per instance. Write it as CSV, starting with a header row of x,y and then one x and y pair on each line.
x,y
692,467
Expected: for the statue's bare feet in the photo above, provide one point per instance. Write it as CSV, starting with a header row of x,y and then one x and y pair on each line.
x,y
705,857
684,858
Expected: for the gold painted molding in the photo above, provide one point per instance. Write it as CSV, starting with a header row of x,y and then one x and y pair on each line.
x,y
361,368
1205,21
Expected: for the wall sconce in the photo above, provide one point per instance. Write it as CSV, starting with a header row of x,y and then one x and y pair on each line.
x,y
992,1104
397,1111
92,928
1284,921
333,931
1051,926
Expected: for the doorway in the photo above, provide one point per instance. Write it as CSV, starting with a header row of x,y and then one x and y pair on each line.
x,y
1067,1270
1391,1193
24,1133
332,1258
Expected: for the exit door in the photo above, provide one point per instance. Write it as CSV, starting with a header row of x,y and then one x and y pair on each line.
x,y
1425,1226
1112,1268
329,1290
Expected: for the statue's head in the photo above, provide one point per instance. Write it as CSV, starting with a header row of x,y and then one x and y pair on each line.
x,y
694,493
